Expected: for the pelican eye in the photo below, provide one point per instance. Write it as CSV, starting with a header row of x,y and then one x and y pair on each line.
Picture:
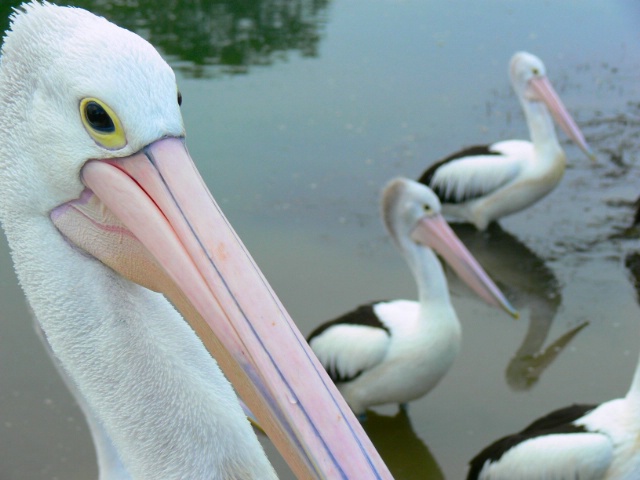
x,y
102,124
535,71
179,98
427,208
98,118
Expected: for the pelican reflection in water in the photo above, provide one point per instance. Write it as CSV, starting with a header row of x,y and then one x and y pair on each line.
x,y
532,286
403,450
581,441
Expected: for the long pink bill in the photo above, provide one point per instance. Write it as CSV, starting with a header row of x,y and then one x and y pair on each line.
x,y
545,91
435,232
160,227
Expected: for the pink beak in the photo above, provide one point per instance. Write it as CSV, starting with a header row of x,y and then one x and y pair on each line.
x,y
435,232
163,229
543,89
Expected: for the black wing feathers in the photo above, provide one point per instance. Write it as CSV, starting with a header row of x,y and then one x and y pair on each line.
x,y
363,315
427,176
557,422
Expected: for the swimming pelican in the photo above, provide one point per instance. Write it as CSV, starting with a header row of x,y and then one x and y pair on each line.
x,y
481,184
100,199
594,442
397,351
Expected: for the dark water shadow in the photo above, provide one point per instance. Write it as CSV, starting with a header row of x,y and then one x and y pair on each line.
x,y
529,284
406,455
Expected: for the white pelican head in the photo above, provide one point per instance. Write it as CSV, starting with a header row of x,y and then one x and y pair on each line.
x,y
76,66
92,149
412,215
529,80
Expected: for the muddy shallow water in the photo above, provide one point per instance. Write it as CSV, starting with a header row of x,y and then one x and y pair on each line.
x,y
297,128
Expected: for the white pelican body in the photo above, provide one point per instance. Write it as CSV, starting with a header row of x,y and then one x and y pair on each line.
x,y
395,352
589,442
592,442
100,199
484,183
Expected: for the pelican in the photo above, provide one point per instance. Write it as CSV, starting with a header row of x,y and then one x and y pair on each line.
x,y
397,351
591,442
104,210
481,184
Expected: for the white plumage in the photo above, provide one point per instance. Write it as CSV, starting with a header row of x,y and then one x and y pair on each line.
x,y
397,351
479,175
100,199
484,183
584,456
367,347
590,442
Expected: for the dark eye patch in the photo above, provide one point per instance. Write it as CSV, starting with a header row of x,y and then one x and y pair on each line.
x,y
98,118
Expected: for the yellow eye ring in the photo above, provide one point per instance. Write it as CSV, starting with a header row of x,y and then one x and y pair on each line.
x,y
102,124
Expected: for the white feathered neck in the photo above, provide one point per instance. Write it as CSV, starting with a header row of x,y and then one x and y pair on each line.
x,y
142,371
402,207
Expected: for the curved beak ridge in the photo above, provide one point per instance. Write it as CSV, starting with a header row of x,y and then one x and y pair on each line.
x,y
159,208
545,92
435,232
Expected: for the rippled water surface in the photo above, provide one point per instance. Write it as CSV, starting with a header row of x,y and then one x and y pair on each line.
x,y
297,112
